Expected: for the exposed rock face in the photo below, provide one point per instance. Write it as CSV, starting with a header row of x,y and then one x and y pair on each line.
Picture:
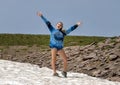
x,y
98,60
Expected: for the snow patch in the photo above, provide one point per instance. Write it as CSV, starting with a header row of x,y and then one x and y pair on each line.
x,y
15,73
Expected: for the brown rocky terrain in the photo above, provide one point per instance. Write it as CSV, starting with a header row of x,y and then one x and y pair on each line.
x,y
97,59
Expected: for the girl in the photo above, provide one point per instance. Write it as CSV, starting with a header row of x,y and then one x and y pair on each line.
x,y
56,42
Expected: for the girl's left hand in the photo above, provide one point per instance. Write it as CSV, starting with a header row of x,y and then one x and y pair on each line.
x,y
79,23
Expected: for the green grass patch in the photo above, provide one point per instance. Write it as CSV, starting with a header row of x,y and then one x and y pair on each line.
x,y
82,40
43,40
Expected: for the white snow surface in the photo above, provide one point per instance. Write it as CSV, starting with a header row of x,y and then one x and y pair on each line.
x,y
15,73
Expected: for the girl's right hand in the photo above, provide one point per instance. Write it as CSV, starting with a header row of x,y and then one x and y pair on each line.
x,y
39,14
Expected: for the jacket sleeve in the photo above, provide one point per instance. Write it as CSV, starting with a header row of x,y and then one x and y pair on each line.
x,y
71,29
47,23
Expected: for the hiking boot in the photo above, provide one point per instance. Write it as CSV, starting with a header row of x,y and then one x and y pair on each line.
x,y
64,74
56,74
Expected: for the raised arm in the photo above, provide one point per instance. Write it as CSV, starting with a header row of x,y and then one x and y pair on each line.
x,y
72,28
46,21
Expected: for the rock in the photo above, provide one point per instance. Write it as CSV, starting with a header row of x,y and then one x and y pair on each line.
x,y
117,39
104,73
90,56
89,68
108,41
113,57
96,73
100,45
114,78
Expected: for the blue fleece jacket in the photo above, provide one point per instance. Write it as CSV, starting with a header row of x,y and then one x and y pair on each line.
x,y
57,36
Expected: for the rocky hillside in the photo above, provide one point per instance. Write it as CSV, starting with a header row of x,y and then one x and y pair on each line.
x,y
97,59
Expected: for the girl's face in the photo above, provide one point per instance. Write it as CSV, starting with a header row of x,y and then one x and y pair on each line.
x,y
59,25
